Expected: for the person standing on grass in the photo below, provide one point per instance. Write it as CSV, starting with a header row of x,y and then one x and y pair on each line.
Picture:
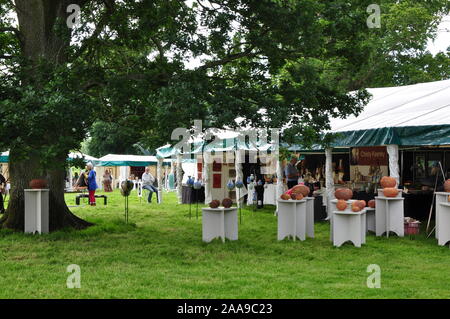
x,y
91,183
147,183
2,191
107,181
291,172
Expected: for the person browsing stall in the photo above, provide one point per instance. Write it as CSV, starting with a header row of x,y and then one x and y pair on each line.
x,y
291,172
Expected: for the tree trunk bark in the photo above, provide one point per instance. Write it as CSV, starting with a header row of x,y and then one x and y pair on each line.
x,y
21,173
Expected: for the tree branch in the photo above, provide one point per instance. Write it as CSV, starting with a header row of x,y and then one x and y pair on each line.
x,y
229,58
6,57
12,29
109,10
159,47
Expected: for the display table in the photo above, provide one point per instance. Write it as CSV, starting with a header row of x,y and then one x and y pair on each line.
x,y
444,222
219,222
310,216
441,197
36,211
349,226
292,221
333,208
370,220
389,216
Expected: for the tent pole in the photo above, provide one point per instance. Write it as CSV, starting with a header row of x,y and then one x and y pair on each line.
x,y
159,178
207,177
280,188
329,182
179,179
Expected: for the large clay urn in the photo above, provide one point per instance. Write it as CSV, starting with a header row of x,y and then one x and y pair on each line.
x,y
38,183
343,193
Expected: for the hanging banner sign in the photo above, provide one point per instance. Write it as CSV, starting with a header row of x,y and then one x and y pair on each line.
x,y
376,156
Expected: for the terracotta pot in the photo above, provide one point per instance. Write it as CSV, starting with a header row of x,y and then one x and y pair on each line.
x,y
227,202
214,203
390,192
38,183
341,205
297,196
343,193
301,189
371,203
361,204
356,207
388,182
285,196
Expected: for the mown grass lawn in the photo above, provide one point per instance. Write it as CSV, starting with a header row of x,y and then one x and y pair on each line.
x,y
160,254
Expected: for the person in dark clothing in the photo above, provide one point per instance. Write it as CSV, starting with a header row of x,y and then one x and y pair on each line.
x,y
2,191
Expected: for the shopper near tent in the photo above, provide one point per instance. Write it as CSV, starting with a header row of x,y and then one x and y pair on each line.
x,y
147,183
91,183
2,191
291,172
75,179
107,181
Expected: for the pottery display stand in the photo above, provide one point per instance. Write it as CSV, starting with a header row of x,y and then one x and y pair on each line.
x,y
389,216
310,217
292,219
441,197
349,226
370,219
36,211
334,208
444,223
219,222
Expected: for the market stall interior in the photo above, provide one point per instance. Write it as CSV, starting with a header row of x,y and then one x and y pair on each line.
x,y
403,132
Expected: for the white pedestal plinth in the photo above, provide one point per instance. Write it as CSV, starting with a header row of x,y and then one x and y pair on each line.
x,y
333,207
370,219
389,216
310,217
219,222
36,211
349,226
292,219
444,222
441,197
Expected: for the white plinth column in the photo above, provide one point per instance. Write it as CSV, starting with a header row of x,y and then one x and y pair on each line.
x,y
207,177
329,182
394,169
280,186
166,178
159,178
239,158
36,211
179,179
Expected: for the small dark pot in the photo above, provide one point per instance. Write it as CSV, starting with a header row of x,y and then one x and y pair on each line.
x,y
227,202
38,183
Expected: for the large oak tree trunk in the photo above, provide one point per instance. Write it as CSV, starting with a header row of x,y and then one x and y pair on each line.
x,y
37,19
21,172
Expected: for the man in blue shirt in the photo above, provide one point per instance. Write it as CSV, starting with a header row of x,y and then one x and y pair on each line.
x,y
291,172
